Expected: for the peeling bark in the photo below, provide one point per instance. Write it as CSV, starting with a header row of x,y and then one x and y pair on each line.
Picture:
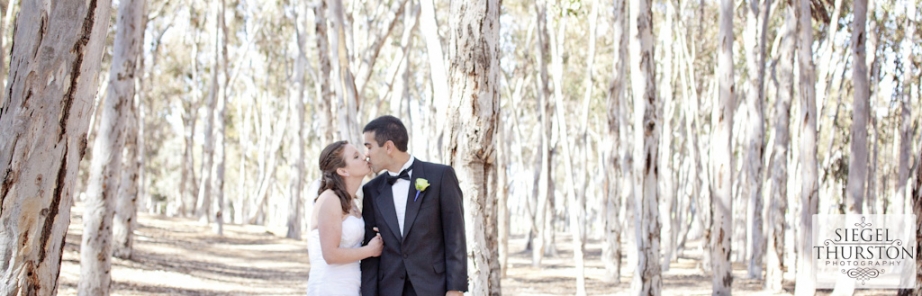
x,y
53,80
647,275
474,75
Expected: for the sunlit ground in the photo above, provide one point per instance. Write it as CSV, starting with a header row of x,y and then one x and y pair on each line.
x,y
175,256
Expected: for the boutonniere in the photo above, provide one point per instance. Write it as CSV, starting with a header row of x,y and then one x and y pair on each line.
x,y
421,185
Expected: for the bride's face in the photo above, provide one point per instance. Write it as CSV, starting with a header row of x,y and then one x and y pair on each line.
x,y
355,162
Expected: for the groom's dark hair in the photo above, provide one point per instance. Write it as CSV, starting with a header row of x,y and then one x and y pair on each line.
x,y
388,128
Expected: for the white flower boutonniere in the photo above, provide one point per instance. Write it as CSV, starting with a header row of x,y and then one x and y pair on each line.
x,y
421,185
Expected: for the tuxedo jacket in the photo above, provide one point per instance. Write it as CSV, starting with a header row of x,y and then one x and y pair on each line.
x,y
431,250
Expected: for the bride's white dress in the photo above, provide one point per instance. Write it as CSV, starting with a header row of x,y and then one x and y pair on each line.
x,y
336,279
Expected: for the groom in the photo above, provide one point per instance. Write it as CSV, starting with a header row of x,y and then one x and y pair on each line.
x,y
417,207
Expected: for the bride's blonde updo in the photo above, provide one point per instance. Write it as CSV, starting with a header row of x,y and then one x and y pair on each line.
x,y
331,159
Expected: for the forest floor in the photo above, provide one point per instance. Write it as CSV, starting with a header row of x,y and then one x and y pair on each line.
x,y
177,256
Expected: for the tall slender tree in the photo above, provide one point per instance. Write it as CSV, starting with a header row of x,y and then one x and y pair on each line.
x,y
206,183
44,135
558,40
347,96
806,282
917,210
221,66
325,93
429,28
858,141
611,248
722,157
105,168
858,158
474,84
543,224
647,274
666,190
757,21
296,96
903,192
778,163
124,78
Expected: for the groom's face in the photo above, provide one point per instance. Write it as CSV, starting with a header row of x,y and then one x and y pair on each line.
x,y
377,155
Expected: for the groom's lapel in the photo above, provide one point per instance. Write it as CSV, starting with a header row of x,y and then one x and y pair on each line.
x,y
385,203
413,205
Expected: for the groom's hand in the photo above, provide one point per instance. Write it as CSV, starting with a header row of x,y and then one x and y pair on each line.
x,y
454,293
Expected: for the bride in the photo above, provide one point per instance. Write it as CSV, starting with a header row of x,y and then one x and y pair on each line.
x,y
337,229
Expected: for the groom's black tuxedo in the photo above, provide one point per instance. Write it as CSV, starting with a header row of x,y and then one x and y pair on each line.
x,y
431,252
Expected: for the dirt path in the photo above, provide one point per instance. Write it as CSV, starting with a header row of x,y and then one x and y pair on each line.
x,y
175,256
183,257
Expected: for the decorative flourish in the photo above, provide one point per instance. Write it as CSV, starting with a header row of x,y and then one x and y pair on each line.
x,y
862,274
832,243
862,224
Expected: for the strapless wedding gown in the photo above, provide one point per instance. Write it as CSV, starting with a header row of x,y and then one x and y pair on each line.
x,y
336,279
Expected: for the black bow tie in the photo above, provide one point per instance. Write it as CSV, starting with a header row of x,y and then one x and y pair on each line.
x,y
404,174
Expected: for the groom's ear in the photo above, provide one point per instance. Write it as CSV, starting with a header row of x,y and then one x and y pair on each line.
x,y
389,146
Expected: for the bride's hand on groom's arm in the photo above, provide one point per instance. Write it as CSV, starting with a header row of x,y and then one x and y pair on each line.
x,y
375,246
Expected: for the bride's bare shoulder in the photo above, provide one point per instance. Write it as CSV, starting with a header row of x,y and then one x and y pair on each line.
x,y
325,195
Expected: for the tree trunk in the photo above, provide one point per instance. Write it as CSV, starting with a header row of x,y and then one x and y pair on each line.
x,y
647,274
220,123
105,168
272,137
828,53
218,169
858,157
550,213
295,210
665,178
126,209
902,191
188,191
474,111
557,49
430,29
324,106
203,202
131,24
917,210
858,144
586,173
341,75
777,198
722,157
873,206
611,247
244,144
44,136
502,196
806,284
545,202
402,85
757,34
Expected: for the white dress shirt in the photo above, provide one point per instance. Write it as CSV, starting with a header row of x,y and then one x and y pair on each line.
x,y
400,189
